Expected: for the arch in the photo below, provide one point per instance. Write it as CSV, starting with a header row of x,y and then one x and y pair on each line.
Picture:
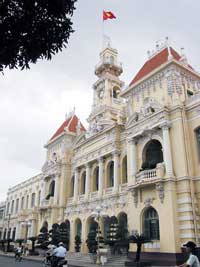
x,y
122,225
83,180
150,223
124,170
33,200
72,186
78,227
110,174
95,179
152,155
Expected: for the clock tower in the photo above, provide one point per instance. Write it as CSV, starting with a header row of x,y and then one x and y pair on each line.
x,y
108,107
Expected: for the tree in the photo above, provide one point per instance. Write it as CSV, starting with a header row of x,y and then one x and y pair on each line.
x,y
91,240
32,30
111,233
138,240
33,240
77,243
43,237
55,234
122,241
64,234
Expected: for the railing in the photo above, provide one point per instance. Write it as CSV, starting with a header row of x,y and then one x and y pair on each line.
x,y
147,174
193,99
108,61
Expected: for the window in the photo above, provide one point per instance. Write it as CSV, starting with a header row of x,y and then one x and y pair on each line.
x,y
83,180
124,171
151,224
96,179
22,203
1,215
152,155
17,206
197,132
33,200
189,93
111,174
12,206
27,202
72,187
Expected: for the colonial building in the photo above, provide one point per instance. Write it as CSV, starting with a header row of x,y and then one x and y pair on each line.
x,y
139,159
2,214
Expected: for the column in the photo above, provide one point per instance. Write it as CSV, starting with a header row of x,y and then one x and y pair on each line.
x,y
56,190
167,150
43,193
17,235
133,160
101,166
76,184
116,170
87,181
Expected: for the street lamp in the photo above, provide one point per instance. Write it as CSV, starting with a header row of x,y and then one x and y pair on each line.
x,y
97,214
26,224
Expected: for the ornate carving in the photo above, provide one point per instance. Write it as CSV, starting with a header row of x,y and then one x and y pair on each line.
x,y
134,193
161,192
148,202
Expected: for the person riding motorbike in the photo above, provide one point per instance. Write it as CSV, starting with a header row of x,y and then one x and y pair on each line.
x,y
59,254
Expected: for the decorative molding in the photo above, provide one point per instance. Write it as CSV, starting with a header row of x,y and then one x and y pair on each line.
x,y
161,192
148,202
134,193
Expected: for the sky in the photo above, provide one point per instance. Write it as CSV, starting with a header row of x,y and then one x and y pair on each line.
x,y
33,103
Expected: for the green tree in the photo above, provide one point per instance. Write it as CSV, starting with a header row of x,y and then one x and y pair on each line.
x,y
55,234
32,30
64,234
43,237
91,239
77,243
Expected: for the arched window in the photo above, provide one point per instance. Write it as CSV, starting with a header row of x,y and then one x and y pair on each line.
x,y
115,92
39,198
124,171
96,179
27,202
110,182
33,200
78,227
83,180
152,155
151,224
112,60
17,206
22,203
197,133
122,232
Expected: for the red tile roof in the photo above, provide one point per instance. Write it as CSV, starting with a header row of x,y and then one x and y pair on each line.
x,y
71,124
154,63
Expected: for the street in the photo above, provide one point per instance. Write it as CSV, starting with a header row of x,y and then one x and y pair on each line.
x,y
10,262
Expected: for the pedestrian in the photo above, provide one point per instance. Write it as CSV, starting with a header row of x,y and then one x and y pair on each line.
x,y
192,261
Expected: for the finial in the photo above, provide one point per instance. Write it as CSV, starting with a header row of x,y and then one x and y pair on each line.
x,y
149,53
183,56
170,56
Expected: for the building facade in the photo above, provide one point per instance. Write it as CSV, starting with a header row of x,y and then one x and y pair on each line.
x,y
139,159
2,215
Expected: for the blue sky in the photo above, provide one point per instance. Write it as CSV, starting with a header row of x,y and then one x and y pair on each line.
x,y
33,103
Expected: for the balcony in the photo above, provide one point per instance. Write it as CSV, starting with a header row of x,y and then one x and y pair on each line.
x,y
108,64
146,175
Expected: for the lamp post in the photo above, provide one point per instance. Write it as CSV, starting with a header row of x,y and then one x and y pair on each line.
x,y
26,224
97,214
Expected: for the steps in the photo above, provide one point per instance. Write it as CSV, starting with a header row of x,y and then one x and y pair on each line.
x,y
81,259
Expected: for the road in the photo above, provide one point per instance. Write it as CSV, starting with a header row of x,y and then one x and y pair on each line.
x,y
10,262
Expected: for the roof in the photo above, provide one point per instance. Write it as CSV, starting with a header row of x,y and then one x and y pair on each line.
x,y
154,62
70,124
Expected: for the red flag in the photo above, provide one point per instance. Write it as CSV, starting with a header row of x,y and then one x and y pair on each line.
x,y
108,15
